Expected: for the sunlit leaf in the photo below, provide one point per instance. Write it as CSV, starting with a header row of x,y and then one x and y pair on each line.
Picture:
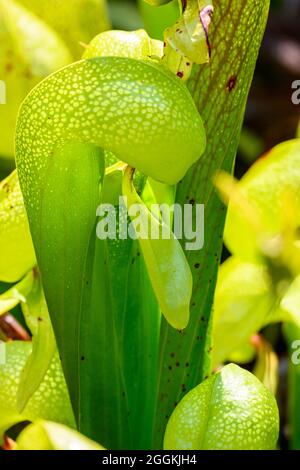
x,y
189,36
46,435
167,267
290,304
50,401
16,294
134,44
63,196
243,305
266,186
17,253
43,344
230,410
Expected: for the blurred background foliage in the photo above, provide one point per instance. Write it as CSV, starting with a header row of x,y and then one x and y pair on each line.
x,y
271,117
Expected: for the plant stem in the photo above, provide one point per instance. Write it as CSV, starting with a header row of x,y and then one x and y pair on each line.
x,y
220,91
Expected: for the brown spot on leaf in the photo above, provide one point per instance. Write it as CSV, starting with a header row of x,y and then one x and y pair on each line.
x,y
231,83
6,188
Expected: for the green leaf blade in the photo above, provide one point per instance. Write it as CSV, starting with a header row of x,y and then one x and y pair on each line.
x,y
220,91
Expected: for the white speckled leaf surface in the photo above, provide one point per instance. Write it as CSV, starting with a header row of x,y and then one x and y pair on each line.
x,y
231,410
50,401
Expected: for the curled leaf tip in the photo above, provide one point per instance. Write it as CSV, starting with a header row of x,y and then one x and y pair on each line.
x,y
166,264
189,36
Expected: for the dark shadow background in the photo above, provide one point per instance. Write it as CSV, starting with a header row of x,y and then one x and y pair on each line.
x,y
271,117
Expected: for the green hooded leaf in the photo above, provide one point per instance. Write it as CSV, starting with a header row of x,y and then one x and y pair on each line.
x,y
231,410
62,197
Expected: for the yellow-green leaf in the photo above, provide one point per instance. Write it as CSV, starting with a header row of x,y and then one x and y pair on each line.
x,y
46,435
232,410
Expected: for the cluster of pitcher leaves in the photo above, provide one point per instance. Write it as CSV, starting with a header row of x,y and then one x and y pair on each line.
x,y
122,122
